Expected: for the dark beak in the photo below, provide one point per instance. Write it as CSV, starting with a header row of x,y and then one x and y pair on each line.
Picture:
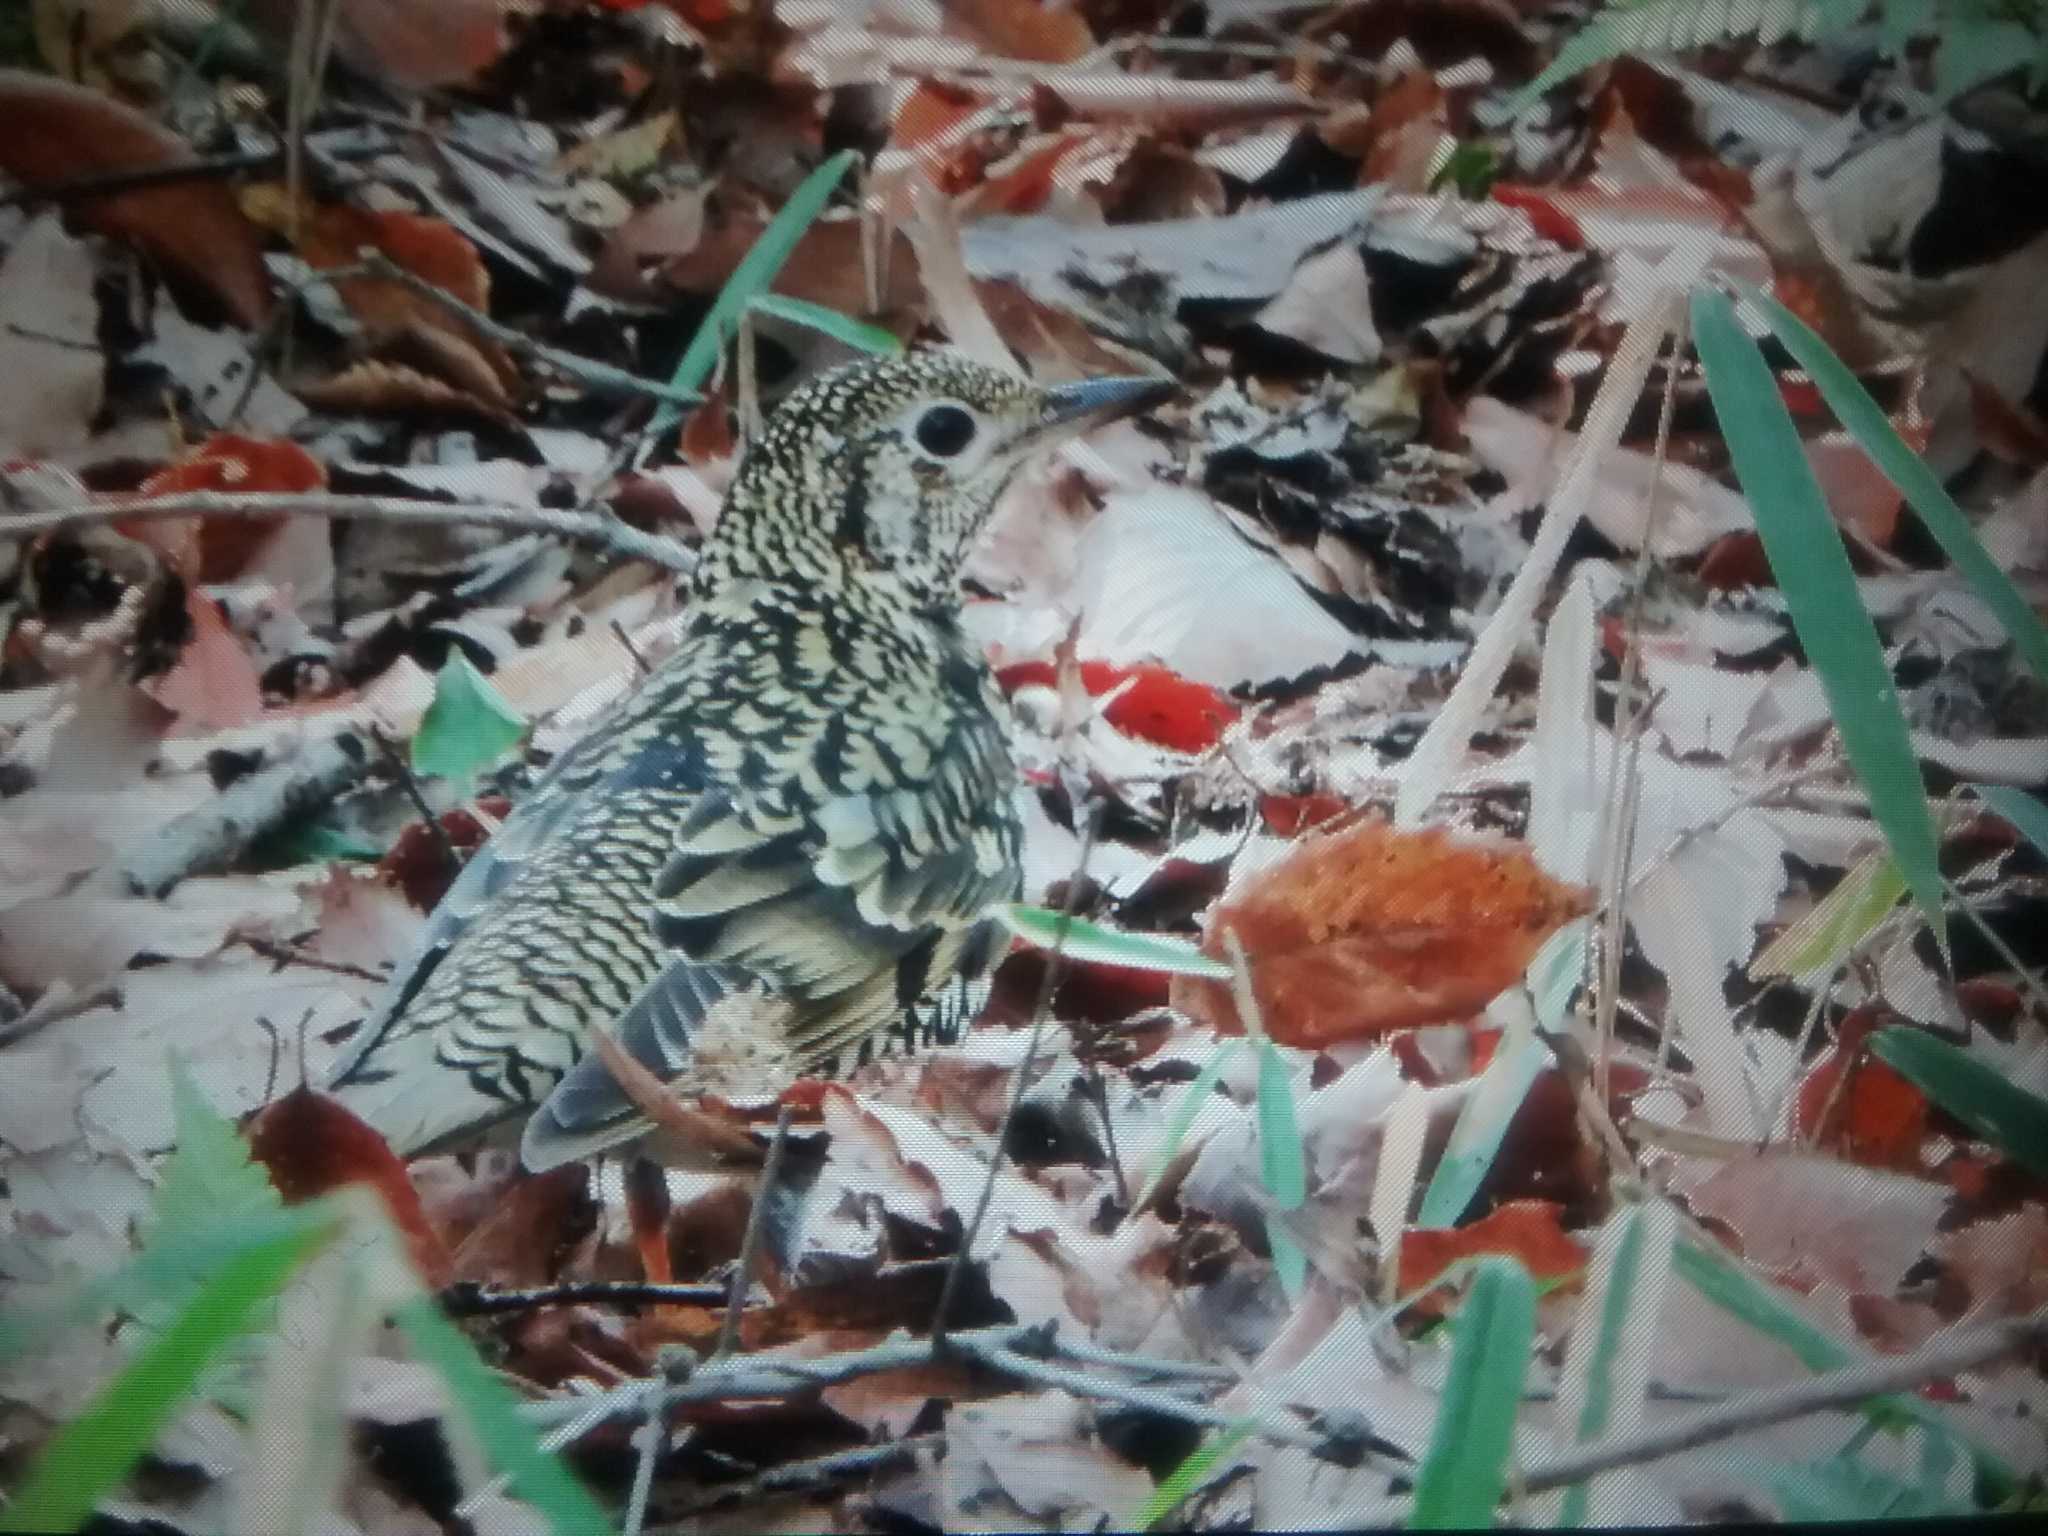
x,y
1091,402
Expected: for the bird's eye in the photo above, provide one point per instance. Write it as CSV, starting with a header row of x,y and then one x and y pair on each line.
x,y
944,430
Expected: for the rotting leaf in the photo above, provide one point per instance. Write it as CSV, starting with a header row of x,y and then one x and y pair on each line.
x,y
1374,929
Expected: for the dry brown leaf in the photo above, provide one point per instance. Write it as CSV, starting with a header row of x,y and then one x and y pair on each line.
x,y
371,386
1374,929
56,132
1043,31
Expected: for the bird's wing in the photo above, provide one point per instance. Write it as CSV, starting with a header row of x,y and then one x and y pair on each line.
x,y
842,914
557,799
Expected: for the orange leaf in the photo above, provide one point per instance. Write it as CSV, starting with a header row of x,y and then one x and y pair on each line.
x,y
1877,1117
56,131
227,462
312,1145
1371,929
1523,1229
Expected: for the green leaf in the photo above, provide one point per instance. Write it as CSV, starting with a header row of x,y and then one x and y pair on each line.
x,y
857,334
313,842
757,270
2004,1114
90,1456
1109,946
1824,935
1671,26
1812,568
1465,1470
537,1478
469,725
1184,1112
2029,817
1916,481
1843,1488
1202,1463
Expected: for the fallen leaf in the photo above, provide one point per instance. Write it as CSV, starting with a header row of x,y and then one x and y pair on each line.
x,y
312,1144
1043,31
58,132
51,370
1527,1230
415,44
1373,929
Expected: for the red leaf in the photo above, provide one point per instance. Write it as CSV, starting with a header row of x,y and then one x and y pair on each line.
x,y
1523,1229
312,1145
1877,1118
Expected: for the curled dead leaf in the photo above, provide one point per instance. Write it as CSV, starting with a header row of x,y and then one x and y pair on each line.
x,y
1373,929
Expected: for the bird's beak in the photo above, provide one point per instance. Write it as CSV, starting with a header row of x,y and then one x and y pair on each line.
x,y
1091,402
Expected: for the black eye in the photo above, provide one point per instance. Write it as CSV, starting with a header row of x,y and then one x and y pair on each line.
x,y
944,430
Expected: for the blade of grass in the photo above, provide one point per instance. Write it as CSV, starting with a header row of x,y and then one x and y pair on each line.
x,y
1837,923
1187,1478
1489,1109
1812,569
537,1477
757,269
2004,1114
90,1456
857,334
2029,817
1737,1292
1465,1470
1108,946
1916,481
1607,1366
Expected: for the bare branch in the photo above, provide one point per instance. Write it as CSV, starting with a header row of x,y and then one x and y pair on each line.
x,y
211,836
601,528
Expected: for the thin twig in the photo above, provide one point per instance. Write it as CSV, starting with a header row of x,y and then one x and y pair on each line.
x,y
602,528
1040,1010
73,189
402,771
640,663
1746,1411
466,1299
818,1474
750,1243
291,954
372,263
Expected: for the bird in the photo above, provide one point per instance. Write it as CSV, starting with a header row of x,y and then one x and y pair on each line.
x,y
780,853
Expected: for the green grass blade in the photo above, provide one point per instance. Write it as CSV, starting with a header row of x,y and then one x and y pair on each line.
x,y
1495,1099
2004,1114
758,269
1465,1470
537,1478
2029,817
90,1456
1281,1168
1108,946
857,334
1812,569
1837,923
1916,481
1607,1365
1187,1478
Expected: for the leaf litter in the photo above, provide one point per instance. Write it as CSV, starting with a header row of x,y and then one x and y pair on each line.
x,y
1230,625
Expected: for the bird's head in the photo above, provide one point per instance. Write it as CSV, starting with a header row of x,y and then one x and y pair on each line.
x,y
887,470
